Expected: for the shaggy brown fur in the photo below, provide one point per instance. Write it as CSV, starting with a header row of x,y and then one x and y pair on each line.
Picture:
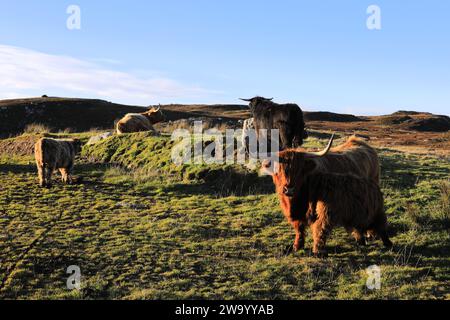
x,y
342,200
135,122
52,154
353,156
326,200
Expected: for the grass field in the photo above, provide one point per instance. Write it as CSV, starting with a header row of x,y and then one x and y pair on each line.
x,y
141,228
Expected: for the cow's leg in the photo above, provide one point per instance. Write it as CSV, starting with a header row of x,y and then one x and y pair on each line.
x,y
41,174
299,242
246,143
370,235
48,175
382,233
379,227
386,241
64,175
284,139
69,173
320,231
359,237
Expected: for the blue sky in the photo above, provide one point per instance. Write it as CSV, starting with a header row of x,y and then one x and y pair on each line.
x,y
318,54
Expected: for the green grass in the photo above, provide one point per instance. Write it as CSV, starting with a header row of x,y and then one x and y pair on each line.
x,y
141,228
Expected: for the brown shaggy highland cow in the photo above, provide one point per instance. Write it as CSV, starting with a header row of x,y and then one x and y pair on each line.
x,y
326,200
354,157
136,122
52,154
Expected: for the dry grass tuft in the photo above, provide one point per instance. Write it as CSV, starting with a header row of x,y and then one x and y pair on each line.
x,y
36,128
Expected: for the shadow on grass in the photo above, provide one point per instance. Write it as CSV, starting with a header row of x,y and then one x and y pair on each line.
x,y
322,135
79,168
400,255
223,188
17,168
405,173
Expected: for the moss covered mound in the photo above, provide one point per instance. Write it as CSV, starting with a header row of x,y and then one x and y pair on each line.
x,y
145,151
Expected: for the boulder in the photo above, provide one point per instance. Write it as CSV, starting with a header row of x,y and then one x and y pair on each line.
x,y
99,137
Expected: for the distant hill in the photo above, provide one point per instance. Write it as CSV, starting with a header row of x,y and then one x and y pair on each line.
x,y
416,121
81,115
60,114
227,112
330,116
409,113
429,124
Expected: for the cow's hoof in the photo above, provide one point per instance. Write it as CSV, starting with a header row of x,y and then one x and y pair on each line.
x,y
361,242
299,246
320,254
77,180
45,185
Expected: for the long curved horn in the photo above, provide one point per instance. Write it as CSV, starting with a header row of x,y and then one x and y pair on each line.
x,y
154,109
248,100
324,151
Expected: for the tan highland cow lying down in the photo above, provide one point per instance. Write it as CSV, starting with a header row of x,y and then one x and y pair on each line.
x,y
135,122
52,154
